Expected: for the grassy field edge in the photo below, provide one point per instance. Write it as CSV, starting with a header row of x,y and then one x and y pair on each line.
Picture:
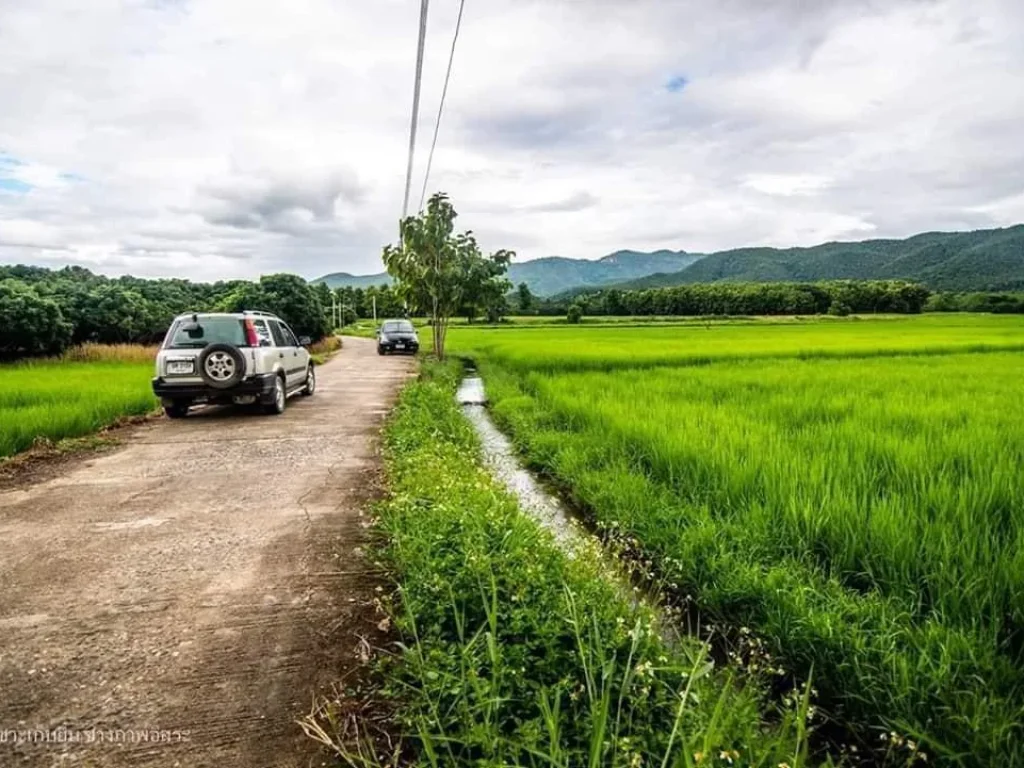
x,y
513,653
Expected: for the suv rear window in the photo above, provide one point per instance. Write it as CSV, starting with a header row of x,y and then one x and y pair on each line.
x,y
187,334
398,326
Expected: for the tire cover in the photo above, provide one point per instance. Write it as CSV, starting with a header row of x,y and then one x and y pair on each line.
x,y
231,351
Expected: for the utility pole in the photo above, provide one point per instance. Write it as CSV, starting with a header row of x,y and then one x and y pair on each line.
x,y
415,103
342,308
375,309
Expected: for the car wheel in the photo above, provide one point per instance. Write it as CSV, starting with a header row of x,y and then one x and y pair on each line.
x,y
380,350
176,410
221,366
310,387
278,398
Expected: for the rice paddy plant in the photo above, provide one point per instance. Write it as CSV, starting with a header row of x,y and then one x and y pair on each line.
x,y
55,400
866,514
902,476
605,347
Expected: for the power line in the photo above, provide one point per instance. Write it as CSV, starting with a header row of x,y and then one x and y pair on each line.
x,y
415,104
440,109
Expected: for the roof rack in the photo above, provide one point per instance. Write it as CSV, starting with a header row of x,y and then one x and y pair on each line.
x,y
255,312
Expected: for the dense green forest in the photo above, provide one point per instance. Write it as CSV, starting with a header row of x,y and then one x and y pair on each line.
x,y
984,260
977,301
840,297
43,311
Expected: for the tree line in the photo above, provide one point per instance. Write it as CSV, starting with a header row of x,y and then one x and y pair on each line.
x,y
840,297
43,311
994,303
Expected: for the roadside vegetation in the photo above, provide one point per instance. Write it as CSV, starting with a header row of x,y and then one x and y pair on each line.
x,y
513,652
852,492
322,351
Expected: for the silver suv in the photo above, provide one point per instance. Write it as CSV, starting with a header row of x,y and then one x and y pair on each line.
x,y
242,358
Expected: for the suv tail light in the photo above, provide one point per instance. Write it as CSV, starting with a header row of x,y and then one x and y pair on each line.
x,y
251,338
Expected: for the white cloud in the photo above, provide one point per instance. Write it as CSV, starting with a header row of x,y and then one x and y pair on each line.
x,y
219,138
25,233
786,185
1006,210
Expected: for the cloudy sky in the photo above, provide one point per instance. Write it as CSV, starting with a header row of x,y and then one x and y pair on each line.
x,y
229,138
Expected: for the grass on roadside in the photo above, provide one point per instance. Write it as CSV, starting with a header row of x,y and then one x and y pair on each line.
x,y
323,350
515,653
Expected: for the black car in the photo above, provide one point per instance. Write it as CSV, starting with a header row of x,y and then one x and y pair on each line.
x,y
397,336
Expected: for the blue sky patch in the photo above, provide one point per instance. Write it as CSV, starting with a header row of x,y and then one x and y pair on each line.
x,y
7,184
676,83
13,185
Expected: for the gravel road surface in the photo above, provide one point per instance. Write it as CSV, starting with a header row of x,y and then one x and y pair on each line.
x,y
180,600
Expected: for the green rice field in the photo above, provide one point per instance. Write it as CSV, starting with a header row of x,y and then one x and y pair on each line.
x,y
852,492
58,399
602,347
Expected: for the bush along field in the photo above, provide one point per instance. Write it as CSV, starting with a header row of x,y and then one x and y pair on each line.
x,y
90,388
863,515
515,653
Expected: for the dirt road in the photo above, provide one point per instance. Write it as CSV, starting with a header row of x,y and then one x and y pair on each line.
x,y
196,585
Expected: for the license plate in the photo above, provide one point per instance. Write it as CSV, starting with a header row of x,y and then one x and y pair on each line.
x,y
181,366
399,346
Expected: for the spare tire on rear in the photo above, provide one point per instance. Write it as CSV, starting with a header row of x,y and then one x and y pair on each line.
x,y
222,366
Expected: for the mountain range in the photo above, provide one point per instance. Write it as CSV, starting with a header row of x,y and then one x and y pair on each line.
x,y
991,259
556,274
983,260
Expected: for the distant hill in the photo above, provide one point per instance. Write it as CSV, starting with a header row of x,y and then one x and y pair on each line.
x,y
556,274
344,280
984,260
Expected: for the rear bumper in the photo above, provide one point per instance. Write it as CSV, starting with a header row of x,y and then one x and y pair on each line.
x,y
259,386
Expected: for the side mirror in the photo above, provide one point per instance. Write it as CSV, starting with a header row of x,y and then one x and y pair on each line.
x,y
305,341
